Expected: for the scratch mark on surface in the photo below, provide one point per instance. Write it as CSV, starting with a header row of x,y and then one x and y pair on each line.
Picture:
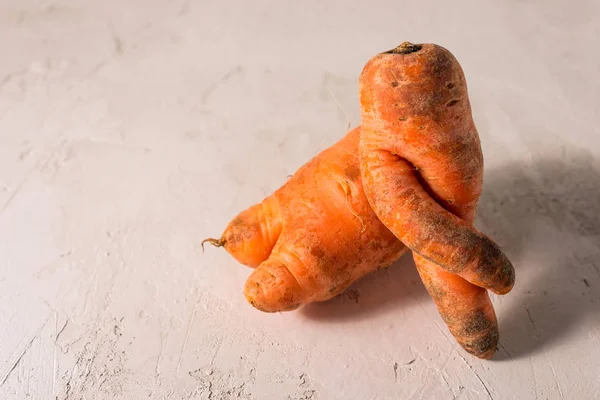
x,y
478,377
532,323
211,88
450,342
217,349
54,358
12,196
443,375
61,330
439,369
339,105
117,42
461,389
484,385
500,345
12,368
555,377
535,386
395,372
160,355
57,333
187,335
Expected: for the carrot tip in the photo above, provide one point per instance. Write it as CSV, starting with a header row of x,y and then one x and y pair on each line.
x,y
405,48
213,242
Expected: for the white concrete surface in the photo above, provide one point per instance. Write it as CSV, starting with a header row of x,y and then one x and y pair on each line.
x,y
130,130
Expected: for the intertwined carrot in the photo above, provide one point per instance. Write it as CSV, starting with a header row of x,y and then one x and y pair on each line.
x,y
422,166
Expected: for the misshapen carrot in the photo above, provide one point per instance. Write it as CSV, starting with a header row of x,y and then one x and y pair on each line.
x,y
422,167
314,236
317,234
422,164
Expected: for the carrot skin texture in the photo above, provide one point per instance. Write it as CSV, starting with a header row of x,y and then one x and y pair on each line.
x,y
293,273
308,250
252,234
465,308
422,164
314,236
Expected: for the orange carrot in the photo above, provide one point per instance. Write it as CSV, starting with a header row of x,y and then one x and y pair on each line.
x,y
464,307
322,247
314,236
422,167
422,164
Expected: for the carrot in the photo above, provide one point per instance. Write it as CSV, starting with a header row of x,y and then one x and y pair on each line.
x,y
418,179
465,308
313,237
422,164
333,241
422,169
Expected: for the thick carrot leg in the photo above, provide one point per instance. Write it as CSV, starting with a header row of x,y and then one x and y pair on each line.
x,y
273,288
466,308
405,207
252,234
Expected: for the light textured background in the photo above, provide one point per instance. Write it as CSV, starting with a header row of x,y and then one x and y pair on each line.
x,y
130,130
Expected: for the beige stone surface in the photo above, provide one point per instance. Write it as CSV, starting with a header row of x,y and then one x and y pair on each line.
x,y
130,130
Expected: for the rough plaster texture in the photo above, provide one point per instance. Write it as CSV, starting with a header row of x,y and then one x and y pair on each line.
x,y
130,130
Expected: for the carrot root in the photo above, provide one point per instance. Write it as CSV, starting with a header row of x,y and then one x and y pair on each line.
x,y
212,242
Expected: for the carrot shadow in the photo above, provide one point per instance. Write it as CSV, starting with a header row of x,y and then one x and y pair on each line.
x,y
380,292
546,217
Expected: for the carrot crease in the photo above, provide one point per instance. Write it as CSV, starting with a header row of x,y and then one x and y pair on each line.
x,y
302,247
346,188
